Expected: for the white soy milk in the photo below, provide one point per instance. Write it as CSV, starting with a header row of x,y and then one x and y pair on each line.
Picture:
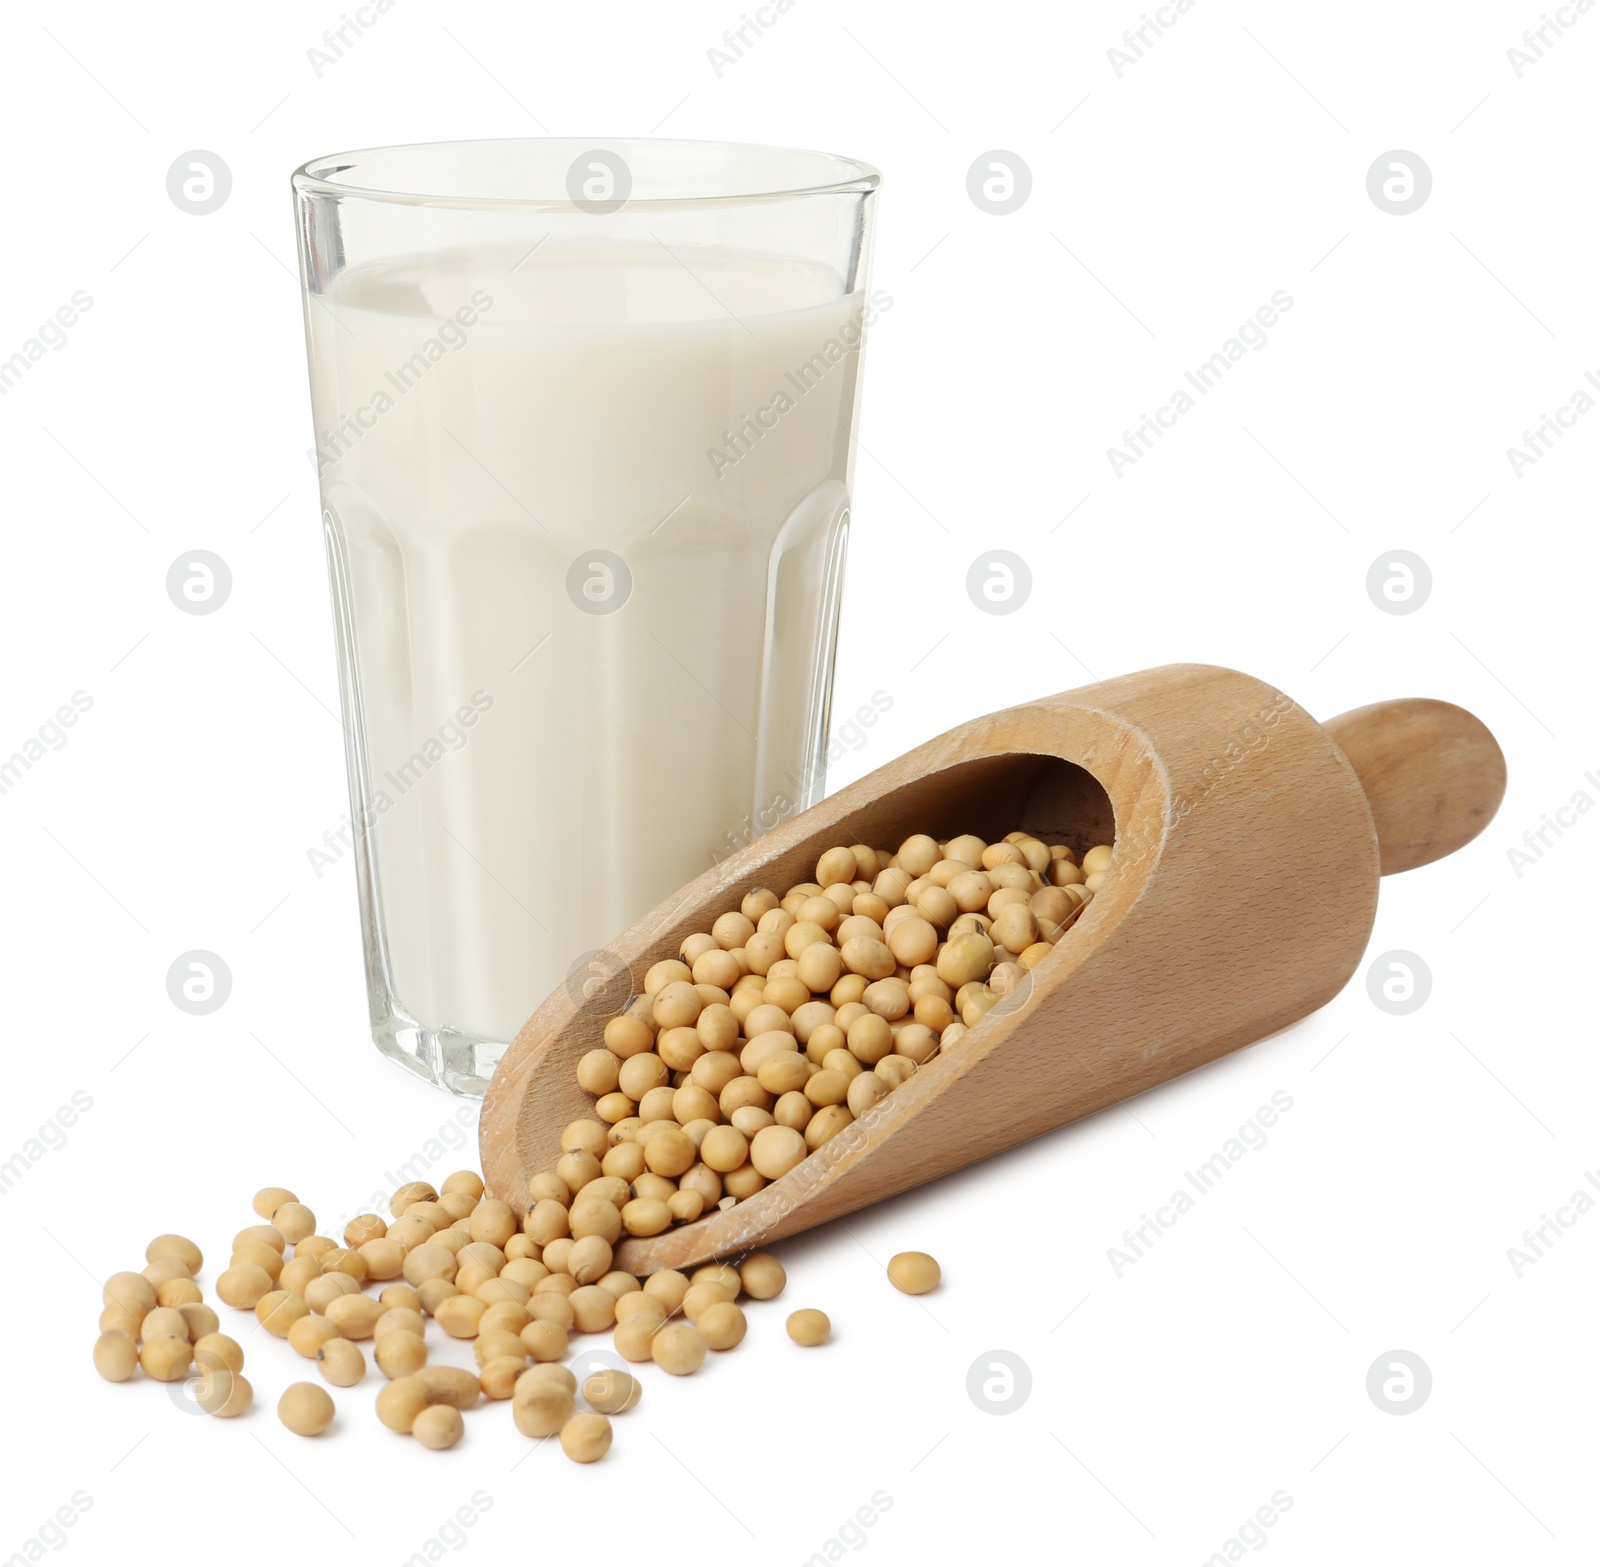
x,y
587,510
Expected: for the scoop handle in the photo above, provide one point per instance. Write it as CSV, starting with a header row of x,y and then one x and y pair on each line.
x,y
1433,774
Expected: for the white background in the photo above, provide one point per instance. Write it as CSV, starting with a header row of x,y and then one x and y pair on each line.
x,y
1230,1363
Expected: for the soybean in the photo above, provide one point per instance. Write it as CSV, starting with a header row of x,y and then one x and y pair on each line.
x,y
341,1362
808,1327
677,1348
438,1426
913,1272
115,1356
586,1438
305,1409
611,1392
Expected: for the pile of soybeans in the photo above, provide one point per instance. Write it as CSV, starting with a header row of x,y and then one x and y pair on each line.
x,y
786,1021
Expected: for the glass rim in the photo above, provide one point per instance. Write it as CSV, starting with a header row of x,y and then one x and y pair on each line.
x,y
321,175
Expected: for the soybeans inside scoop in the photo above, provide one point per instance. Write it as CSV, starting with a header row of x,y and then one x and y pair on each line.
x,y
1235,845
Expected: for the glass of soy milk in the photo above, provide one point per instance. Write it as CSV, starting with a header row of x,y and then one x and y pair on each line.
x,y
584,422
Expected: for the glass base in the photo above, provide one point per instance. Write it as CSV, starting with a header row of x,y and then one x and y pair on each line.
x,y
449,1057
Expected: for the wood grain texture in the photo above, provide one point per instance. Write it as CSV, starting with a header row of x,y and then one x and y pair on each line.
x,y
1432,773
1244,888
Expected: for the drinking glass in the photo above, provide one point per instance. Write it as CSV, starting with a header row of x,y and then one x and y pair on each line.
x,y
584,418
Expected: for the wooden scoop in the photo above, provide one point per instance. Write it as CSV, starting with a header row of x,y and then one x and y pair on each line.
x,y
1249,841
